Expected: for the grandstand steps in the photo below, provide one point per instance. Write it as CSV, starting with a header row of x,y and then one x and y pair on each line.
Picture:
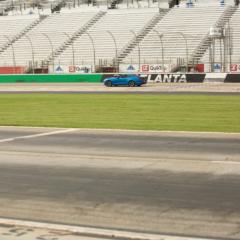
x,y
140,36
22,33
70,41
207,40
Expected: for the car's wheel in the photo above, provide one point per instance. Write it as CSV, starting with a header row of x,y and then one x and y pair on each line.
x,y
131,84
108,83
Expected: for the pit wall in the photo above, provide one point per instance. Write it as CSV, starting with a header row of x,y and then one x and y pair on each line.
x,y
97,78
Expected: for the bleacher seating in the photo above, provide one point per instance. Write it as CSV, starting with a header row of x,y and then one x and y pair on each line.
x,y
235,36
73,28
11,26
182,30
54,30
119,25
232,41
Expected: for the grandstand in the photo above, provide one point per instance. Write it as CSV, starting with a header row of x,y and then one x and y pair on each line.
x,y
99,34
226,50
181,31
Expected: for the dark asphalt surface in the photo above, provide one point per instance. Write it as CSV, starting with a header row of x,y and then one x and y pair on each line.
x,y
179,184
121,92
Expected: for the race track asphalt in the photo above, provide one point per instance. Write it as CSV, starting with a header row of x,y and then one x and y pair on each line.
x,y
149,88
156,182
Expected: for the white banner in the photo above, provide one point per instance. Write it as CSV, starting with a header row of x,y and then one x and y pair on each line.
x,y
155,68
59,69
217,68
78,69
128,68
144,68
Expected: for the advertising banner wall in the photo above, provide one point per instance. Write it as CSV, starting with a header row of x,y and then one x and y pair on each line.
x,y
232,78
78,69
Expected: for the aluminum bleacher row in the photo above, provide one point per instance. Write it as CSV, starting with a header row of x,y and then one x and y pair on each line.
x,y
222,52
93,35
179,27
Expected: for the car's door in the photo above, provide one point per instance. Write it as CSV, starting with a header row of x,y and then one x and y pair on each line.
x,y
123,80
120,80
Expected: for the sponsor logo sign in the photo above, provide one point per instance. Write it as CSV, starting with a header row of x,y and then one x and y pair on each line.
x,y
128,68
217,67
154,68
80,69
235,67
59,69
144,68
131,68
73,69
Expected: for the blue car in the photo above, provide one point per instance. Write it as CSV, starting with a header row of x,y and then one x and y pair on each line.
x,y
128,80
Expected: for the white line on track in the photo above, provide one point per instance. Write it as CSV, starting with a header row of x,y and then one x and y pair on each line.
x,y
192,133
226,162
100,233
38,135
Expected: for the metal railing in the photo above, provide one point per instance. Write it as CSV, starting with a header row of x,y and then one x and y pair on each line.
x,y
97,61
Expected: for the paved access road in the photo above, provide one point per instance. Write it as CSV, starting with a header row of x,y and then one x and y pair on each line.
x,y
169,183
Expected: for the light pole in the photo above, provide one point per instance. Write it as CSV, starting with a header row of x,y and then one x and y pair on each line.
x,y
73,52
33,60
116,52
229,43
51,44
161,41
186,45
93,47
139,51
13,52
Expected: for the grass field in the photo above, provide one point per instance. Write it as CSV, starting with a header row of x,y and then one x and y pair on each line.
x,y
146,112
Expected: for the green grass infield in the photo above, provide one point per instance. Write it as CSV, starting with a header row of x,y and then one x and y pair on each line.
x,y
212,113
